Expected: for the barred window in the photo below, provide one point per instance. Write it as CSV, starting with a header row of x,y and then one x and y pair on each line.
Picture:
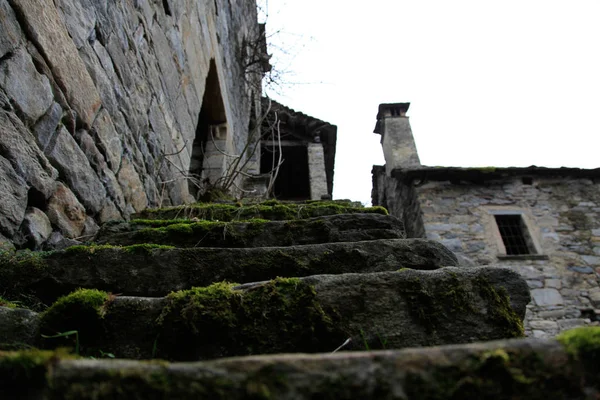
x,y
514,234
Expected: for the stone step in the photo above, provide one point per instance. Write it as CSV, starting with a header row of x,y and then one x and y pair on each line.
x,y
517,369
313,314
274,211
154,270
256,233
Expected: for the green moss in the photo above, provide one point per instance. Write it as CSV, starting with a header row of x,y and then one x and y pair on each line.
x,y
91,249
499,310
88,249
216,321
81,311
485,170
25,370
583,344
159,222
429,306
24,258
6,303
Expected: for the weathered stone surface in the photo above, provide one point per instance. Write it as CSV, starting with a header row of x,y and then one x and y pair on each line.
x,y
18,328
14,198
96,159
30,92
108,140
526,368
18,146
327,229
132,186
66,212
6,244
79,18
58,242
80,176
10,32
546,297
45,128
48,31
36,228
145,270
376,310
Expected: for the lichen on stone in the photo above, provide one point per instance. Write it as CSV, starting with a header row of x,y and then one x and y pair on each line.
x,y
281,315
499,310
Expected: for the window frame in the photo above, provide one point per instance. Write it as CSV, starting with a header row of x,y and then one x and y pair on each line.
x,y
527,230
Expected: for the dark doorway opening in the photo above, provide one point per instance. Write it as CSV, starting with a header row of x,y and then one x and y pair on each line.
x,y
292,181
212,113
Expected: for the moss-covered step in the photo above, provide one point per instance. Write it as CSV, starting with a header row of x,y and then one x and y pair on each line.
x,y
254,233
269,210
152,270
531,369
313,314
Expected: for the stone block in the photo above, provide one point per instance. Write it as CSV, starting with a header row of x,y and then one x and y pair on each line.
x,y
19,147
546,297
66,212
79,18
452,244
80,176
595,299
553,283
132,186
48,31
11,36
565,324
554,314
14,198
108,139
535,284
544,325
591,260
581,270
36,228
29,91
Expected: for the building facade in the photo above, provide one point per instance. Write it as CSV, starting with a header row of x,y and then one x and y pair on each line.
x,y
542,222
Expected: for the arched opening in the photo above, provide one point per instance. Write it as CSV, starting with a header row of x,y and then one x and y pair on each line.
x,y
208,161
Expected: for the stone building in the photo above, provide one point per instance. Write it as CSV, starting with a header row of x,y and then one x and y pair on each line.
x,y
106,110
306,147
542,222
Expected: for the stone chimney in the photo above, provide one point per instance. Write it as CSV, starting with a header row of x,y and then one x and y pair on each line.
x,y
397,139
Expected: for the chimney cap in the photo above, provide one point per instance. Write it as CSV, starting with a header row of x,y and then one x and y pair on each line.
x,y
390,110
402,107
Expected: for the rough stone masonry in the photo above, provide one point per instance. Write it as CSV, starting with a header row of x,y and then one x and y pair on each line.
x,y
100,105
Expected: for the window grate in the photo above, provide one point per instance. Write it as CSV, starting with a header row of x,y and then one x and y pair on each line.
x,y
513,234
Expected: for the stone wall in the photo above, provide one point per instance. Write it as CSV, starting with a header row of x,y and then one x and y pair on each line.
x,y
100,105
400,199
562,215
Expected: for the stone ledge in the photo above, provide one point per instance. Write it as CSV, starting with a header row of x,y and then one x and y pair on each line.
x,y
314,314
513,369
153,270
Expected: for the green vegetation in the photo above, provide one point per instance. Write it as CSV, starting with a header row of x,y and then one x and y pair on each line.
x,y
25,370
6,303
217,321
81,311
583,344
499,310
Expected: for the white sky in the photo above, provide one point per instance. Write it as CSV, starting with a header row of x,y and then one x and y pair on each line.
x,y
491,83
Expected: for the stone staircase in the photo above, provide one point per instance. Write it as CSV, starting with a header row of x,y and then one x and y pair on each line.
x,y
309,278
